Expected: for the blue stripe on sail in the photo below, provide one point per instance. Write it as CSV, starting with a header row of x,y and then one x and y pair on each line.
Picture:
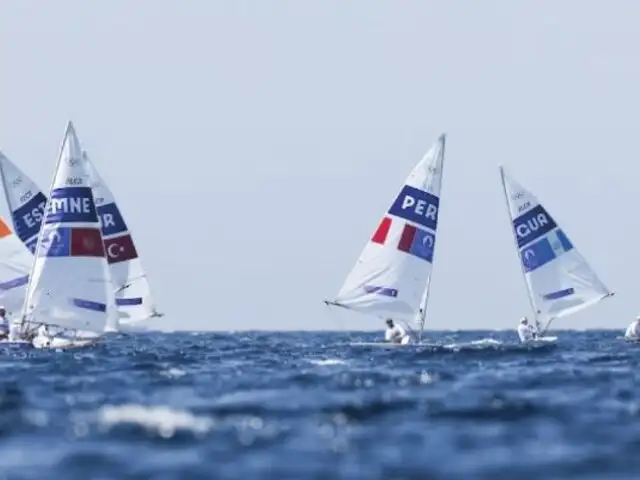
x,y
532,225
386,291
564,240
31,244
559,294
417,206
111,220
15,283
537,254
28,218
71,204
89,305
122,302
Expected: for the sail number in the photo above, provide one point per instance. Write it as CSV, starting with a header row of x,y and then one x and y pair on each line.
x,y
26,196
74,181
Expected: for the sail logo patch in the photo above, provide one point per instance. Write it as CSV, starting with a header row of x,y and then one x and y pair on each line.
x,y
120,249
385,291
559,294
544,251
71,242
380,235
417,242
417,206
532,225
413,240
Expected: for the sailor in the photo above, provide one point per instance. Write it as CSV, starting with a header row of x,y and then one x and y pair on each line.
x,y
526,331
4,323
633,330
43,333
395,333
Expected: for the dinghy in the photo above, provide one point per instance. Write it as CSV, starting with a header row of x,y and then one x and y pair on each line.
x,y
69,284
559,280
133,300
392,275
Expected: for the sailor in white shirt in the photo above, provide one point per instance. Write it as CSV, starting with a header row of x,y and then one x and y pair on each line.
x,y
395,333
633,330
526,332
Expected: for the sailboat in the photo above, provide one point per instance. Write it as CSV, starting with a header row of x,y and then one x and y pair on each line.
x,y
559,280
392,275
69,284
133,304
133,300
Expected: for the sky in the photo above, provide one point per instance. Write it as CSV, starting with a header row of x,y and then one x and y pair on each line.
x,y
253,146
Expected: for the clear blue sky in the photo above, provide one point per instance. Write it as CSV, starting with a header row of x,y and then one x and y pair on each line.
x,y
253,146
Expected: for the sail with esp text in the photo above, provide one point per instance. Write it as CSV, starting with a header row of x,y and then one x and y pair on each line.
x,y
25,200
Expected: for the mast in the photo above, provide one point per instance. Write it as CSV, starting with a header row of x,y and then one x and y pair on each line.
x,y
423,306
515,242
37,247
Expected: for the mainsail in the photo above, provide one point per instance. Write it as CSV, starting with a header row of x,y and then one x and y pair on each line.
x,y
69,285
392,275
559,280
15,264
132,292
25,201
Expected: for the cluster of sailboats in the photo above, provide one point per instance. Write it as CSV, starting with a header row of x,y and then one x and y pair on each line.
x,y
392,276
69,269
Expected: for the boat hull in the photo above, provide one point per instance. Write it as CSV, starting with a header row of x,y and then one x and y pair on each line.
x,y
55,343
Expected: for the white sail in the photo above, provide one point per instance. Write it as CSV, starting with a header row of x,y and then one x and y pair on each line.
x,y
25,201
392,275
69,285
132,292
15,265
559,280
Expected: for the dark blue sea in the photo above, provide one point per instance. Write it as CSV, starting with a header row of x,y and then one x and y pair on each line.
x,y
306,405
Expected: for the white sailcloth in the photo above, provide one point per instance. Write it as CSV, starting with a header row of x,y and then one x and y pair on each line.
x,y
15,264
392,275
559,280
25,200
69,285
132,292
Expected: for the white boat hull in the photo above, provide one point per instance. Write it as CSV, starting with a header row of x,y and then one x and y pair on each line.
x,y
545,340
15,344
63,343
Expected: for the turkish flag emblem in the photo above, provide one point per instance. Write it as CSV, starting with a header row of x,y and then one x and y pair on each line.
x,y
120,249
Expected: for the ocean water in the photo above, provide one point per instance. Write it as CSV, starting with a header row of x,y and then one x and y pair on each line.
x,y
307,406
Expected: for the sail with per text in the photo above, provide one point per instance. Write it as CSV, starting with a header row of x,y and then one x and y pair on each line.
x,y
392,275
